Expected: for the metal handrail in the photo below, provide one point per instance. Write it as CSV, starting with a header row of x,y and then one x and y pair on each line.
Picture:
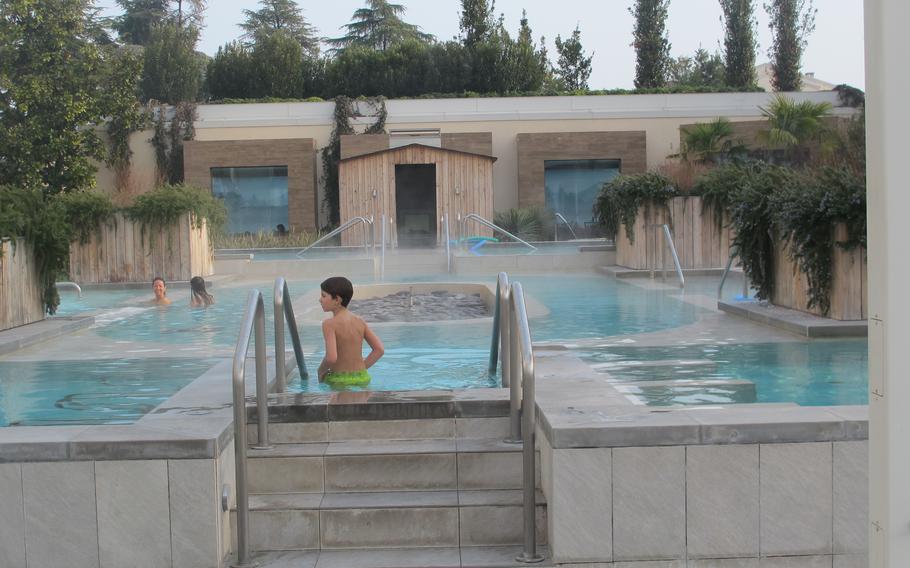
x,y
382,248
69,285
522,353
723,278
668,241
253,320
284,309
559,217
344,227
488,224
500,349
445,225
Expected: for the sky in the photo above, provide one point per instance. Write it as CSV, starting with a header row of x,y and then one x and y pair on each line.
x,y
834,51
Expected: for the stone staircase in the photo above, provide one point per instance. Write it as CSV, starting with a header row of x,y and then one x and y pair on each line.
x,y
388,493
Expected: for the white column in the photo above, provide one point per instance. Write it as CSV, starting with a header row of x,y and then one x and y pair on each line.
x,y
888,128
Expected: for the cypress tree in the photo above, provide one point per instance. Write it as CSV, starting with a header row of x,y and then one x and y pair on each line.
x,y
652,48
739,42
791,21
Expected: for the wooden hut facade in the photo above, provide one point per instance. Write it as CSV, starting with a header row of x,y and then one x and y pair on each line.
x,y
413,186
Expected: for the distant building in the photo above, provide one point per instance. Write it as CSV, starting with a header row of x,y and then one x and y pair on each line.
x,y
808,84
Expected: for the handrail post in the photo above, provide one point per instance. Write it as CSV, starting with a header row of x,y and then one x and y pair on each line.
x,y
262,383
254,316
382,249
672,246
511,362
523,352
295,334
278,305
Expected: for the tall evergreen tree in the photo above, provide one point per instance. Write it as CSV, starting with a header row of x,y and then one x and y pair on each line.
x,y
138,20
791,22
573,68
477,21
379,26
230,74
739,42
652,48
284,15
278,63
701,70
172,70
189,13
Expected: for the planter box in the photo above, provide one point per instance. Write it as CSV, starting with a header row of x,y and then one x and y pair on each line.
x,y
120,252
698,242
849,293
20,293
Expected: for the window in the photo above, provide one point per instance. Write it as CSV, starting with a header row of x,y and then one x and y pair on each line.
x,y
256,198
573,185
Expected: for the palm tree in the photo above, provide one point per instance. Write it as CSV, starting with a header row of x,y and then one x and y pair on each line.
x,y
707,141
379,26
794,124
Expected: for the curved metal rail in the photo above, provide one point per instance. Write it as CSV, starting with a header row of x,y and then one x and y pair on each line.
x,y
522,353
663,230
253,321
344,227
284,309
477,218
72,285
723,278
559,217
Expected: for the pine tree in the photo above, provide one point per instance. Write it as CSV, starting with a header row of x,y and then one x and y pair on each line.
x,y
284,15
138,19
739,42
172,70
573,68
791,23
652,48
379,26
477,21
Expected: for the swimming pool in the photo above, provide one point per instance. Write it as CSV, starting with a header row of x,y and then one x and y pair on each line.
x,y
103,391
637,323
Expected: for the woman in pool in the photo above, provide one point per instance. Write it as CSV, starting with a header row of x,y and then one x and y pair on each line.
x,y
199,297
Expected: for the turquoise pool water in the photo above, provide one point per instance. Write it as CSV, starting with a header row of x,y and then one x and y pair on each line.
x,y
44,393
582,308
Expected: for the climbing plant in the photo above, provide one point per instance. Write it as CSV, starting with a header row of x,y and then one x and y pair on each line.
x,y
622,197
168,139
331,154
167,203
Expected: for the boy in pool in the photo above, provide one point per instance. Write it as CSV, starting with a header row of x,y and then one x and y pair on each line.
x,y
344,365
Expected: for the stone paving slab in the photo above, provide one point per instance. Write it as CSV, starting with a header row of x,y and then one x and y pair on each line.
x,y
794,321
33,333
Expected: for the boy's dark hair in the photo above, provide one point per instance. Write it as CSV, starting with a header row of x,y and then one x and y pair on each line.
x,y
338,287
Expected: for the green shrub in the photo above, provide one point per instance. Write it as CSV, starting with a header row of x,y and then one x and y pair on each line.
x,y
527,223
167,203
621,198
85,211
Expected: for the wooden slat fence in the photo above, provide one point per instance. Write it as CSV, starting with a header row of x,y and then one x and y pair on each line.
x,y
122,252
20,294
849,294
698,242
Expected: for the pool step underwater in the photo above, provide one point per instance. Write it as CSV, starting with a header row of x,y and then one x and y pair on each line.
x,y
388,491
690,391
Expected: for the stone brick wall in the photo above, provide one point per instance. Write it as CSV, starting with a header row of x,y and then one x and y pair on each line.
x,y
473,142
533,149
298,154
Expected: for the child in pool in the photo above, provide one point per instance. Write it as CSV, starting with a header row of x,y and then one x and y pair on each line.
x,y
199,296
344,365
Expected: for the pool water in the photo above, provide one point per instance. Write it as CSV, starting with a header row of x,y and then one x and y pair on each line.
x,y
43,393
810,373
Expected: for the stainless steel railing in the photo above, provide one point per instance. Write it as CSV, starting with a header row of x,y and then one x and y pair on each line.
x,y
445,226
477,218
500,349
284,310
522,355
723,278
382,248
72,285
663,230
559,217
253,321
367,223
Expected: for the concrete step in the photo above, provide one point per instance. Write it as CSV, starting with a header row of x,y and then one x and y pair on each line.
x,y
414,429
386,465
449,557
389,520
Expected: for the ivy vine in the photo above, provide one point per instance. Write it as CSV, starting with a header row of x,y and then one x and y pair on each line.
x,y
331,154
167,203
621,198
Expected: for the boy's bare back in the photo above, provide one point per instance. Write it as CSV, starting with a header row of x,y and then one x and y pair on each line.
x,y
348,332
